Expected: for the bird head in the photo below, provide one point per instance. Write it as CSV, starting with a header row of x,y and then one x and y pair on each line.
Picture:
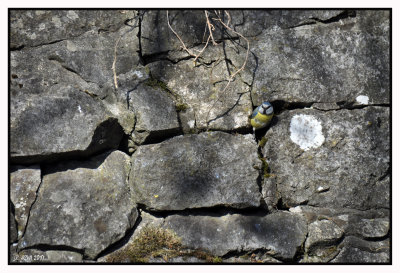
x,y
266,108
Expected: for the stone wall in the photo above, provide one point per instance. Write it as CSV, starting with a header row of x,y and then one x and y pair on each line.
x,y
124,148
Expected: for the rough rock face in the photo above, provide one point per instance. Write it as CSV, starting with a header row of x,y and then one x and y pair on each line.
x,y
109,113
156,115
82,205
334,62
24,183
334,159
280,233
195,171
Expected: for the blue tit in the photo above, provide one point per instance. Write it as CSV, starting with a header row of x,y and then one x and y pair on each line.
x,y
262,115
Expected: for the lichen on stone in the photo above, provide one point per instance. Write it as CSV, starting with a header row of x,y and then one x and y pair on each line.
x,y
306,131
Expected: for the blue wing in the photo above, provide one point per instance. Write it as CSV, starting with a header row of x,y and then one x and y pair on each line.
x,y
254,112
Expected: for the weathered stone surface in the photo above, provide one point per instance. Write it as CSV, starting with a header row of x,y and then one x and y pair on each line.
x,y
158,38
334,159
322,232
71,124
146,220
194,171
82,204
322,239
13,228
355,250
54,86
280,233
38,27
155,114
50,256
334,62
24,183
202,89
373,228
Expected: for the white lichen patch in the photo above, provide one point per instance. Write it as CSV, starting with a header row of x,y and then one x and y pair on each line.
x,y
362,99
306,131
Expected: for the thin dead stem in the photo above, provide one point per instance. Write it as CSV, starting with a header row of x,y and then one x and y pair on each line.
x,y
211,29
114,62
176,34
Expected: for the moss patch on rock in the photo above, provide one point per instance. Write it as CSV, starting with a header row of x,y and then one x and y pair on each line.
x,y
155,242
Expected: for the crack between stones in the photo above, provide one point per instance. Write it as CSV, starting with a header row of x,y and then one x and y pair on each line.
x,y
217,210
314,20
282,105
47,247
34,201
58,60
123,241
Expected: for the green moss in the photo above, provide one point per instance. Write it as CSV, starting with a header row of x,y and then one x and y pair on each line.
x,y
181,107
157,83
265,168
262,142
217,260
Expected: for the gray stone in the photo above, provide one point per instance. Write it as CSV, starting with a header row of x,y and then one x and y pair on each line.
x,y
158,38
329,63
323,236
70,124
50,256
202,89
13,228
24,183
53,86
32,28
336,159
194,171
355,250
374,228
280,233
155,114
146,220
323,232
82,204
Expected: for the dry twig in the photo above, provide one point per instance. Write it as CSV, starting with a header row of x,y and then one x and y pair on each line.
x,y
115,61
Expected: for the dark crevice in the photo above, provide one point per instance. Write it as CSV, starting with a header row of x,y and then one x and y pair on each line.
x,y
341,16
155,137
162,56
281,105
300,251
216,211
282,206
139,35
241,130
121,242
16,48
46,247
